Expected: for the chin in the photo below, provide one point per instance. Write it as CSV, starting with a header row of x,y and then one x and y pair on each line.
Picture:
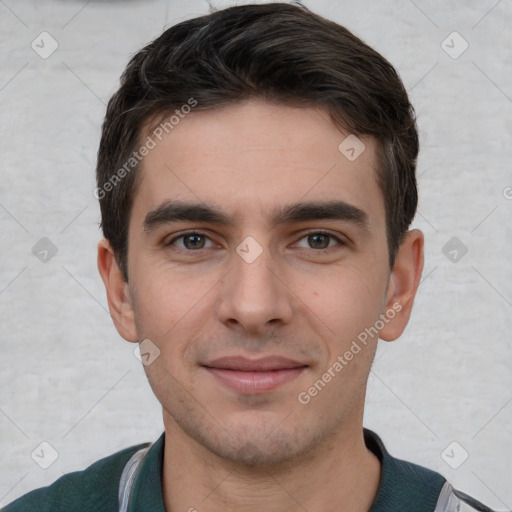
x,y
257,442
258,453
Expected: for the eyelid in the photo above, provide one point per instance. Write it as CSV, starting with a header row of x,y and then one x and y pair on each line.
x,y
341,240
184,234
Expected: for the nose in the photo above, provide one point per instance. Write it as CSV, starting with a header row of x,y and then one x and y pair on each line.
x,y
254,295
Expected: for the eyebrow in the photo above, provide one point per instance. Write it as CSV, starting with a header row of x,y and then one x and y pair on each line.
x,y
177,210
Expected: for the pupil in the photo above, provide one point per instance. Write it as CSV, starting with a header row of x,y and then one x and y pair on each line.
x,y
317,237
193,240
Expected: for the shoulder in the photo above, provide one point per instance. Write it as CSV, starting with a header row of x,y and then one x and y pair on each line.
x,y
403,485
452,500
408,486
94,489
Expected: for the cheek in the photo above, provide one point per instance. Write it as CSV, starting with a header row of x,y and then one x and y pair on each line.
x,y
172,311
163,298
344,301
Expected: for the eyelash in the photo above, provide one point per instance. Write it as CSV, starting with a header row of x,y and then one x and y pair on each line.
x,y
198,233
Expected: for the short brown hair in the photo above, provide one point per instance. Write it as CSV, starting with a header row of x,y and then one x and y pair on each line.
x,y
281,52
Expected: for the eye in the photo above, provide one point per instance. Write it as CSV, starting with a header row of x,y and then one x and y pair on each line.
x,y
321,240
189,241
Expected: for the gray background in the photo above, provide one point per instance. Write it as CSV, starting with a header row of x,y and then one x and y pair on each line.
x,y
68,379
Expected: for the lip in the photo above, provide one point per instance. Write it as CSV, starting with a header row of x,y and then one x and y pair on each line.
x,y
254,375
261,364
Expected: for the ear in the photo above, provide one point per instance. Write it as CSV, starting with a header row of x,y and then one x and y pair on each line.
x,y
118,292
403,284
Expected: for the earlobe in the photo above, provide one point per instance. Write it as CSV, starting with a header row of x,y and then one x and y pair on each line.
x,y
403,284
118,293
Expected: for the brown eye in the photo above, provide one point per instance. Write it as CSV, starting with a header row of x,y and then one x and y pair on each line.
x,y
193,241
189,241
319,241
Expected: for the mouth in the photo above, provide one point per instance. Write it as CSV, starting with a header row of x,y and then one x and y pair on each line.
x,y
254,375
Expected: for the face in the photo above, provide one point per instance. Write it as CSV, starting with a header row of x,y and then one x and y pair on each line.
x,y
257,256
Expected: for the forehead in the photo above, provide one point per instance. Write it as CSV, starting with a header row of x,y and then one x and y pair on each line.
x,y
249,157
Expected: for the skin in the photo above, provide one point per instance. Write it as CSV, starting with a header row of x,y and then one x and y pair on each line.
x,y
224,449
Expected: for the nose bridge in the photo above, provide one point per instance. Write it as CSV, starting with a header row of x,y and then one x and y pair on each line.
x,y
253,293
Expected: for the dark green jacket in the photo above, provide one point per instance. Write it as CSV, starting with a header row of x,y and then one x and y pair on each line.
x,y
404,486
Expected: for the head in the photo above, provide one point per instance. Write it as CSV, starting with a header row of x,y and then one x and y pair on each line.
x,y
234,126
279,52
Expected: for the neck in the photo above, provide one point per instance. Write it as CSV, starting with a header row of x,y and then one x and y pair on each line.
x,y
341,475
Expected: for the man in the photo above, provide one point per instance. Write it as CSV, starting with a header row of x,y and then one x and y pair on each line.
x,y
256,178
